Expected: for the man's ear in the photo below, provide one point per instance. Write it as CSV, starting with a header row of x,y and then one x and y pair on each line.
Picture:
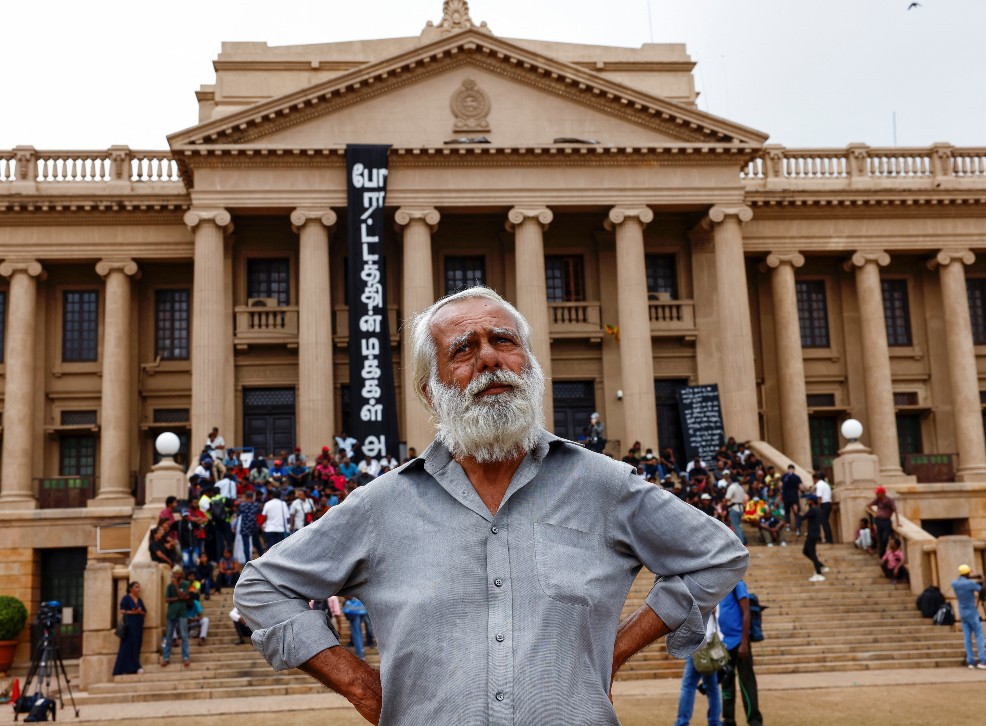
x,y
426,392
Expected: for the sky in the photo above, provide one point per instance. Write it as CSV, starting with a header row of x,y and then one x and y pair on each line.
x,y
811,73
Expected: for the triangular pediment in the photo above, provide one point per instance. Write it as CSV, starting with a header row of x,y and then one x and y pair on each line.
x,y
465,85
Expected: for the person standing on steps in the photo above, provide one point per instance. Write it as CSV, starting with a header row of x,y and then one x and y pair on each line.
x,y
734,623
813,518
885,509
967,587
596,436
791,496
710,682
823,490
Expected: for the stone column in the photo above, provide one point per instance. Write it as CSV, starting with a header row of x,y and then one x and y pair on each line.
x,y
790,362
528,225
16,488
962,369
116,419
417,293
316,395
881,423
208,323
636,350
738,380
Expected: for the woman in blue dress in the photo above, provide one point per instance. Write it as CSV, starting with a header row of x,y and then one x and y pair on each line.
x,y
133,611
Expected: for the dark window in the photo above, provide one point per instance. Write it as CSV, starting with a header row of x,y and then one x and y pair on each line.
x,y
909,434
824,434
269,278
564,278
976,288
662,274
80,325
464,272
813,313
171,415
171,324
78,418
905,398
3,322
819,400
77,456
897,312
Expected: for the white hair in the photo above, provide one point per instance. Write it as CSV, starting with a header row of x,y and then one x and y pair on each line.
x,y
424,357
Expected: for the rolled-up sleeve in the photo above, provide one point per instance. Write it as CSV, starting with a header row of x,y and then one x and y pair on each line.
x,y
697,560
331,555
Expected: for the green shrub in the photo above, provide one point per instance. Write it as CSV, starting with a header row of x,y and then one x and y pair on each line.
x,y
13,615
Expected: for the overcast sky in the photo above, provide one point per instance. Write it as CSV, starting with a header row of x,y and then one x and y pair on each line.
x,y
819,73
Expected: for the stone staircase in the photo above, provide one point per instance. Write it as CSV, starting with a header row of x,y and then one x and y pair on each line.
x,y
855,620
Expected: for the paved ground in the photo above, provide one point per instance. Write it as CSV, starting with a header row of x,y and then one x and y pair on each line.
x,y
952,696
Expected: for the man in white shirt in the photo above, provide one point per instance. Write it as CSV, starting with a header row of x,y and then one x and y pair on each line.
x,y
227,487
300,507
345,442
736,501
216,446
824,493
370,466
697,461
275,520
388,461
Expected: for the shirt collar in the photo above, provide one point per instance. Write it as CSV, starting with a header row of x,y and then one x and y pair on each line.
x,y
437,456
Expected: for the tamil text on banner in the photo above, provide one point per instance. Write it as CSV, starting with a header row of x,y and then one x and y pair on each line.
x,y
373,407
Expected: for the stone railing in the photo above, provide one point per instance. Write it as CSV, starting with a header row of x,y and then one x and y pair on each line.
x,y
574,319
24,168
671,316
861,165
341,330
265,325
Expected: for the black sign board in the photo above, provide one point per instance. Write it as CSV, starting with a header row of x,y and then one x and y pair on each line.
x,y
701,421
373,406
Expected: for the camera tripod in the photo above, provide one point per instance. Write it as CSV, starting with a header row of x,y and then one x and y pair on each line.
x,y
47,663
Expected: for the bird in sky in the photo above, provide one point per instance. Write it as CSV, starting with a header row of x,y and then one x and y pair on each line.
x,y
913,5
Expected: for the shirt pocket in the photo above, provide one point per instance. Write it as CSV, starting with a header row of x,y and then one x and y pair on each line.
x,y
562,556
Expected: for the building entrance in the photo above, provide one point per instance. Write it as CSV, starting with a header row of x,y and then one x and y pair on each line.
x,y
669,418
63,580
575,401
268,420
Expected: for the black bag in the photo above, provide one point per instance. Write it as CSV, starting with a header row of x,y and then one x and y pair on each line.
x,y
944,616
41,710
756,616
217,509
121,629
929,601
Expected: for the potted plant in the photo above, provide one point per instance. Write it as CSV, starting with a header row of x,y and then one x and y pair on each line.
x,y
13,615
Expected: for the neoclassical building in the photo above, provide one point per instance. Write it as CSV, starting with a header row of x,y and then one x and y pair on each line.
x,y
651,245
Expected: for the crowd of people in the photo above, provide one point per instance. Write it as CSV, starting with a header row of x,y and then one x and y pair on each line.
x,y
238,507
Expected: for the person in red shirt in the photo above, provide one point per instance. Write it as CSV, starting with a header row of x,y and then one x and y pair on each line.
x,y
885,509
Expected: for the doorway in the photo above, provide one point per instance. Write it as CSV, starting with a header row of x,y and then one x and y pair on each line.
x,y
63,580
575,402
669,417
268,420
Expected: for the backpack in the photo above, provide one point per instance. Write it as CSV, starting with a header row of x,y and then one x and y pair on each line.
x,y
944,616
930,601
217,509
756,616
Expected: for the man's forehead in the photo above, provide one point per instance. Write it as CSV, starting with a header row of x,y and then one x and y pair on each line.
x,y
471,315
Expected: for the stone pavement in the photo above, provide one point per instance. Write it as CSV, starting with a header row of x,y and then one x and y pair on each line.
x,y
868,687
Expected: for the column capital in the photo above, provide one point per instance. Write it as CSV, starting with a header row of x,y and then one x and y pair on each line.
x,y
718,213
127,267
518,215
618,215
429,215
948,256
30,267
794,259
220,217
299,217
862,258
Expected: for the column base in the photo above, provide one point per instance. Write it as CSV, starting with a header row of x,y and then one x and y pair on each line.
x,y
972,474
18,502
111,499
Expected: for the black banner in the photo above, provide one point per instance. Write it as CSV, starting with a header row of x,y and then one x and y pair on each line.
x,y
372,404
701,421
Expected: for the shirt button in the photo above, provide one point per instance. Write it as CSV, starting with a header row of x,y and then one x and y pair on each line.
x,y
493,529
498,582
500,638
499,695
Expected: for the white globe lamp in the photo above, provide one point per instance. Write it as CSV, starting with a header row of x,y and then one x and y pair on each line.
x,y
167,444
852,430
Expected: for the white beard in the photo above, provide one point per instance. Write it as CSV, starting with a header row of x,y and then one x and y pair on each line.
x,y
497,427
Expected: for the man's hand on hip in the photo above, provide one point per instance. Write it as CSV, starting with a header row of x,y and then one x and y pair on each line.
x,y
351,677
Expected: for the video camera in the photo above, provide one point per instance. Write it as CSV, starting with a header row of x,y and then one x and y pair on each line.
x,y
50,615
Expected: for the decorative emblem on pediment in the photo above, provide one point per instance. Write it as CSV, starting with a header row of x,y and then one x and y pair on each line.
x,y
471,107
455,17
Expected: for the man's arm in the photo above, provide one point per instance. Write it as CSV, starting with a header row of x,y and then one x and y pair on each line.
x,y
634,634
744,646
349,676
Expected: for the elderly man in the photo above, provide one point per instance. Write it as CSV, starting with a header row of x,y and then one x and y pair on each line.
x,y
496,564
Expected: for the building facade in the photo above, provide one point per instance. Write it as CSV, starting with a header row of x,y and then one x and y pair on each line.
x,y
651,246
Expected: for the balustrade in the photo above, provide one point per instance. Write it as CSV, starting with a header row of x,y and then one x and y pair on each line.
x,y
574,318
116,164
8,166
671,316
265,325
341,330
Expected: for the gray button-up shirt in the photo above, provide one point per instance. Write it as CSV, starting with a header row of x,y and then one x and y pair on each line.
x,y
483,619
